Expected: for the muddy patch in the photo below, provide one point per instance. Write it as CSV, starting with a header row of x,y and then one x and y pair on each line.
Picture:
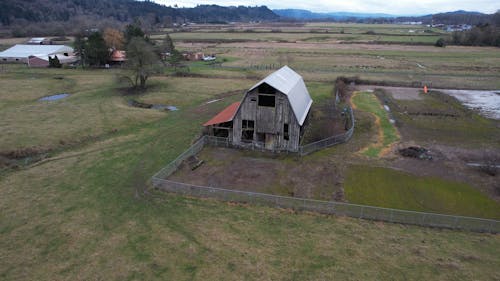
x,y
398,93
256,172
162,107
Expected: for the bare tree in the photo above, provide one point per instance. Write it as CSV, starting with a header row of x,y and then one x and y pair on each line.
x,y
142,60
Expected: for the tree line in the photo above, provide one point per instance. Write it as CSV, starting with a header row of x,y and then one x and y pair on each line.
x,y
49,17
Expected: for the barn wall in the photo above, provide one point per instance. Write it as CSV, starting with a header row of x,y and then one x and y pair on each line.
x,y
268,120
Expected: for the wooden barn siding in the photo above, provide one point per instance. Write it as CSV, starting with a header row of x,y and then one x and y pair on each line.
x,y
266,118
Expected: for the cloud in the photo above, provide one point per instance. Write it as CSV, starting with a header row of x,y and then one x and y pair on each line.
x,y
401,7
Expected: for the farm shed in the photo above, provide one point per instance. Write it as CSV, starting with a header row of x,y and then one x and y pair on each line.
x,y
271,116
21,53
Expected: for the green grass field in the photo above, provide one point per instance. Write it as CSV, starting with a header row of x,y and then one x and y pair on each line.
x,y
84,215
88,212
387,133
394,189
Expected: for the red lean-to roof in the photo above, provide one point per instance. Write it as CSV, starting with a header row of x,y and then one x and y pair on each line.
x,y
224,116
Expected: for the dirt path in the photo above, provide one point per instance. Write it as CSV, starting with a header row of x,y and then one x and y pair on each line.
x,y
399,93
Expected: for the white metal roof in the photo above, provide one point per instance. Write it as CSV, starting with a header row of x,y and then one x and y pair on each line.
x,y
24,51
292,85
36,40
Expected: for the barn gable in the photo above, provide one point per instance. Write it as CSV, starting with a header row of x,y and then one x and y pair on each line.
x,y
292,85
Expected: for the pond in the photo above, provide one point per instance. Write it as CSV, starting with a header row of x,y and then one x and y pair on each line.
x,y
487,102
54,97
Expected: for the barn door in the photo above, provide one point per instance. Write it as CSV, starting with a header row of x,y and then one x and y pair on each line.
x,y
270,141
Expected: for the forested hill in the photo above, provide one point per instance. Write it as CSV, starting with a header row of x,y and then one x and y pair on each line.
x,y
457,17
16,11
214,13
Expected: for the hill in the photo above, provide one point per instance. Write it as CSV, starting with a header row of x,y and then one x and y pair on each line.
x,y
308,15
456,17
16,11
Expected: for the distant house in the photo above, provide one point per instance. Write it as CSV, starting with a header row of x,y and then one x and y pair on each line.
x,y
21,53
39,41
193,56
271,116
117,57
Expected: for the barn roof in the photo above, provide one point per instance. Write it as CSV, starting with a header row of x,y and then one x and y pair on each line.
x,y
225,115
292,85
24,51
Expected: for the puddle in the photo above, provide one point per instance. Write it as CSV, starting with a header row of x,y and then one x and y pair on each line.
x,y
487,102
164,107
54,97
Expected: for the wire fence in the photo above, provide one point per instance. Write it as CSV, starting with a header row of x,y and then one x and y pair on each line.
x,y
337,139
161,182
331,207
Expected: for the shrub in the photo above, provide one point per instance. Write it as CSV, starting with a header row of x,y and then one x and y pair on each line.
x,y
440,43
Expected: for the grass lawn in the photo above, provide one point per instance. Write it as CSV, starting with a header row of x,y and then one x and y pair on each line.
x,y
387,134
89,213
79,217
388,188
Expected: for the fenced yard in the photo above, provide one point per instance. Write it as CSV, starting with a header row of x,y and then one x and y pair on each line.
x,y
161,182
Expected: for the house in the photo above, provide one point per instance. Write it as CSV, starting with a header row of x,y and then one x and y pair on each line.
x,y
117,57
21,53
271,116
193,56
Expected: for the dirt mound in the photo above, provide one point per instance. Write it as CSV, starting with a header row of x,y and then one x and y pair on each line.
x,y
415,152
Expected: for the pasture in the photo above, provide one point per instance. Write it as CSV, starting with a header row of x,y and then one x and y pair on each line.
x,y
84,208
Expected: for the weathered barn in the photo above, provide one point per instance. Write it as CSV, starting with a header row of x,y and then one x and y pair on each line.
x,y
272,114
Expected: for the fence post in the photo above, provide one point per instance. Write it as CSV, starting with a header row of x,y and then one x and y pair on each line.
x,y
361,214
490,229
391,216
423,219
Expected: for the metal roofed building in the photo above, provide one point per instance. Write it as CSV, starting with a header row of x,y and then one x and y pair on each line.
x,y
271,116
21,53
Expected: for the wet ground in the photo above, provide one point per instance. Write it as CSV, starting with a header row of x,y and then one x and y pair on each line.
x,y
55,97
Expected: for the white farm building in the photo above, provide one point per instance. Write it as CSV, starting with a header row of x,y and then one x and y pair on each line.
x,y
22,53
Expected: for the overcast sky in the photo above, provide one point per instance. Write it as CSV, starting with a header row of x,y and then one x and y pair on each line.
x,y
400,7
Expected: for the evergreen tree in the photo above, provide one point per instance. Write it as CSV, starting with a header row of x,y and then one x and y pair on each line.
x,y
54,62
96,52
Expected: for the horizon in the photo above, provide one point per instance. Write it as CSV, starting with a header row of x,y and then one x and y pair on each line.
x,y
401,8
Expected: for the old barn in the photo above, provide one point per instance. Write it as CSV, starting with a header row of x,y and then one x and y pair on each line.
x,y
271,116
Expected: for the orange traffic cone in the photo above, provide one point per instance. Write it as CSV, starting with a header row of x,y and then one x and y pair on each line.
x,y
425,89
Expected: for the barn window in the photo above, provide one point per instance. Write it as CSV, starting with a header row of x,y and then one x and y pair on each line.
x,y
247,129
269,101
266,89
220,132
286,134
